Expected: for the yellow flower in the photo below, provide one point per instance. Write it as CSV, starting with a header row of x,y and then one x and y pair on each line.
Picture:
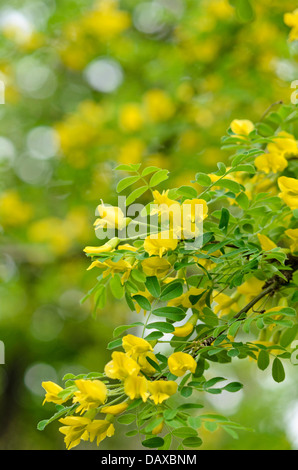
x,y
271,162
75,429
289,191
52,390
158,105
145,366
113,267
185,300
13,211
293,234
224,303
131,118
184,330
161,390
242,127
190,206
114,409
136,386
110,217
251,288
121,366
160,243
91,394
291,19
158,428
100,429
109,246
180,362
266,243
133,345
132,151
284,144
155,266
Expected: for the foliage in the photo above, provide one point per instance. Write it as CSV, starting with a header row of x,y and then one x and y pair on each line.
x,y
242,280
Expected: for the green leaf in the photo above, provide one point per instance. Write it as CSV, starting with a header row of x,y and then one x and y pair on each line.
x,y
131,167
153,442
136,194
233,387
161,326
288,336
203,179
278,372
171,291
224,219
128,418
126,182
242,200
244,12
116,287
155,422
155,335
190,406
142,302
152,285
263,360
158,177
120,329
187,191
229,184
192,442
184,432
149,170
115,344
172,313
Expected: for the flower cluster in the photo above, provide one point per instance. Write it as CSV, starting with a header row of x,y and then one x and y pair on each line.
x,y
195,299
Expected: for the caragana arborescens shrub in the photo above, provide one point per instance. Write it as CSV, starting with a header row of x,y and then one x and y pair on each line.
x,y
203,302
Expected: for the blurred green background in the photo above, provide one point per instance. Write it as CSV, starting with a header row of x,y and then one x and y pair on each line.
x,y
89,85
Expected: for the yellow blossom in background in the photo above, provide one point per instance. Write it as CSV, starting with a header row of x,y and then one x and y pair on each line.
x,y
158,105
132,151
121,366
224,303
161,390
291,20
293,235
91,394
136,386
266,243
179,363
13,211
131,117
251,288
75,429
52,391
289,191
